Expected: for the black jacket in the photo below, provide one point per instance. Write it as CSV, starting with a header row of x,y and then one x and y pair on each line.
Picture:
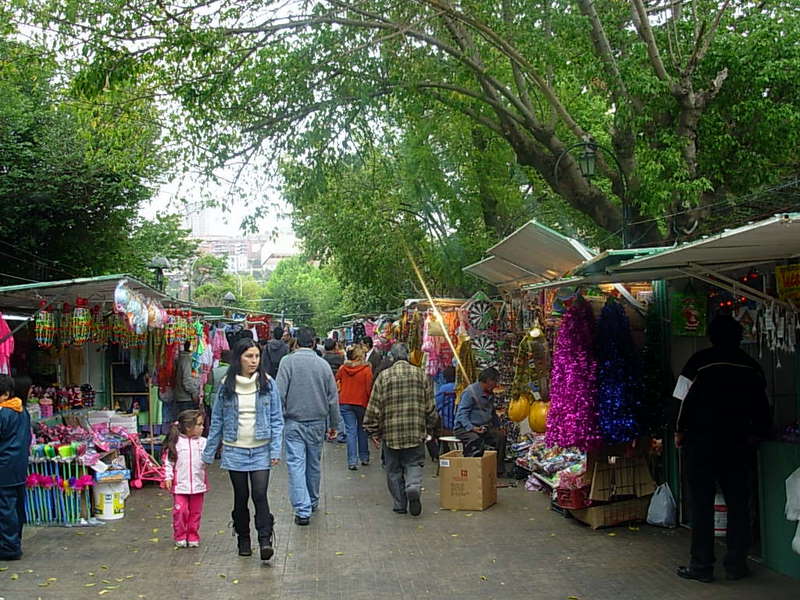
x,y
271,358
15,441
727,402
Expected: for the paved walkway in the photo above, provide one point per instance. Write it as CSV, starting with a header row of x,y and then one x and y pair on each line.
x,y
357,549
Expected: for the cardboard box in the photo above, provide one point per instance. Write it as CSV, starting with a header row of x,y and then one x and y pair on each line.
x,y
615,513
626,476
467,483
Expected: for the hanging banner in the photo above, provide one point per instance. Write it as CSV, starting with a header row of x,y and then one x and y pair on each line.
x,y
688,313
788,278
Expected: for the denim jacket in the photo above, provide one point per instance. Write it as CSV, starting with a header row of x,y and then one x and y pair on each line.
x,y
225,421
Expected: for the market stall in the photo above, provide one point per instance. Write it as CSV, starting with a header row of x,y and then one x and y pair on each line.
x,y
750,272
97,351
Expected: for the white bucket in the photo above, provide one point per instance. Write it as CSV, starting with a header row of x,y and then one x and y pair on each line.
x,y
720,516
109,500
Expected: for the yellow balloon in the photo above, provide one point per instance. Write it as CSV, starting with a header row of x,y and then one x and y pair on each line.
x,y
537,417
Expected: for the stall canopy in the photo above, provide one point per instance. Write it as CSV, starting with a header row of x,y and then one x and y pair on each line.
x,y
26,297
531,254
773,239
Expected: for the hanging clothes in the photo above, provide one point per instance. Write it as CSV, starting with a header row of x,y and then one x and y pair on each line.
x,y
6,346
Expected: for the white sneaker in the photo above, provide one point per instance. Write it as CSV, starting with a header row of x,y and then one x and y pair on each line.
x,y
181,544
194,544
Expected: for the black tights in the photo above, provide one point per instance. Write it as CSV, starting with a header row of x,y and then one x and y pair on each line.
x,y
251,484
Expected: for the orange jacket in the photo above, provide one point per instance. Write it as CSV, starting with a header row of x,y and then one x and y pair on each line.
x,y
355,384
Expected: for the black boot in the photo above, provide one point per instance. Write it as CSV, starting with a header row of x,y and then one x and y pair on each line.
x,y
265,539
241,525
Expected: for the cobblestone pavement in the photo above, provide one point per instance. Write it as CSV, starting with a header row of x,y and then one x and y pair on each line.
x,y
357,548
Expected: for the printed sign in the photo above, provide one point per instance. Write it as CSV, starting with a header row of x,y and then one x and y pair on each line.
x,y
788,278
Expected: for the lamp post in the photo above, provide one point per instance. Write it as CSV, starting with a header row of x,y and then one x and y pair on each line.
x,y
229,298
587,164
159,264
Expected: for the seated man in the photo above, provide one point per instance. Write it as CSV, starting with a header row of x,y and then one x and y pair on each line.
x,y
476,423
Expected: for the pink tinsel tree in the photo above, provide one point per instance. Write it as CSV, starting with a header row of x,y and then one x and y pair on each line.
x,y
572,417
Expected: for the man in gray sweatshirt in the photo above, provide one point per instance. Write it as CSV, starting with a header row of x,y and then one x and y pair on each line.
x,y
310,400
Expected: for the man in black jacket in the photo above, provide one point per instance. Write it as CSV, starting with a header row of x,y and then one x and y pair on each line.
x,y
724,411
274,351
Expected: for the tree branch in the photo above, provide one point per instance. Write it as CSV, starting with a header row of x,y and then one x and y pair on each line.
x,y
646,33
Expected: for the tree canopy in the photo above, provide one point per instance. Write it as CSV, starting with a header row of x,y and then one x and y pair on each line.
x,y
73,174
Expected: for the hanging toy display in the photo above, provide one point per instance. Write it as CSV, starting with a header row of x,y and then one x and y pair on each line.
x,y
45,326
137,311
480,313
81,323
99,330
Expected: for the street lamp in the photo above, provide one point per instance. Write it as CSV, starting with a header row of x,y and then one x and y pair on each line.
x,y
159,264
229,298
587,165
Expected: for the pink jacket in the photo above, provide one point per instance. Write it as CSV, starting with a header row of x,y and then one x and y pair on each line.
x,y
188,473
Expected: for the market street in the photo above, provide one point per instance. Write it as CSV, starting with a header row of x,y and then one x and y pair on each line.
x,y
357,548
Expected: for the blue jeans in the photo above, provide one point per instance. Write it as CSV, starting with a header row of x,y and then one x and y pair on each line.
x,y
357,447
303,442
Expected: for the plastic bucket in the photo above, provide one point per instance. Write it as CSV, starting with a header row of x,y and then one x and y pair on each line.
x,y
109,500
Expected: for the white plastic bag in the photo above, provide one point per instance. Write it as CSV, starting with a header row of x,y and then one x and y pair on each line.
x,y
796,540
793,497
663,511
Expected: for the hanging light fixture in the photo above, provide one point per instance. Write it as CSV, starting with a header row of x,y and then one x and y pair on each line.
x,y
587,160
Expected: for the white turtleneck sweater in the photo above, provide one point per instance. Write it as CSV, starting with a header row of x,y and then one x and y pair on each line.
x,y
246,388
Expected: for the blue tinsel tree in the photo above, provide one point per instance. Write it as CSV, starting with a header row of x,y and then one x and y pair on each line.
x,y
619,383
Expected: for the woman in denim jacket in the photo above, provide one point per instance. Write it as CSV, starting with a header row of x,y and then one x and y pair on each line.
x,y
247,418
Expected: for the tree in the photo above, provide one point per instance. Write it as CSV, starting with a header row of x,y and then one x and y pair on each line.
x,y
73,177
247,290
307,294
680,92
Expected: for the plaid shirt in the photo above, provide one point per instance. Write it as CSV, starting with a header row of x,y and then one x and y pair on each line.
x,y
401,409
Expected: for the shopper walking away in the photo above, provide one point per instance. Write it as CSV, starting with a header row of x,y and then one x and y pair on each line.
x,y
476,423
355,384
400,414
332,355
185,476
274,352
247,418
724,411
310,400
15,440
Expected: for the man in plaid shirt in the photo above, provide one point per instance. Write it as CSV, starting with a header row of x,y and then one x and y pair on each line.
x,y
401,412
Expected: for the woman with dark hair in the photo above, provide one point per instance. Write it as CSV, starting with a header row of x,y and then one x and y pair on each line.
x,y
247,417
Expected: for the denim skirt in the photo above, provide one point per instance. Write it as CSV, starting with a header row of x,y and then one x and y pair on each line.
x,y
245,459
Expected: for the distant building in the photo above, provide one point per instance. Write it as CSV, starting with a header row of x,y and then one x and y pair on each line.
x,y
243,255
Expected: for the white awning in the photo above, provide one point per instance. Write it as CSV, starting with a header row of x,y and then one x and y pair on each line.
x,y
531,254
774,239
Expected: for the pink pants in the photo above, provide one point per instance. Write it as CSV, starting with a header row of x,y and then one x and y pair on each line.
x,y
186,512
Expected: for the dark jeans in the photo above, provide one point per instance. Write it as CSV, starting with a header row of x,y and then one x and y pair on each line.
x,y
404,473
12,518
251,484
474,444
705,467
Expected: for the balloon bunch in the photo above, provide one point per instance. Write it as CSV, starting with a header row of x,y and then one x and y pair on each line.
x,y
138,312
57,486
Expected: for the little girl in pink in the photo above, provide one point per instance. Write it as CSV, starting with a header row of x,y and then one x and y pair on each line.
x,y
185,476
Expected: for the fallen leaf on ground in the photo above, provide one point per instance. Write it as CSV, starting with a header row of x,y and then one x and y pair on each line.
x,y
52,579
104,566
453,535
44,584
155,529
198,563
154,540
103,592
632,528
612,535
15,576
3,569
128,576
468,515
483,577
235,581
340,554
89,584
220,532
223,575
